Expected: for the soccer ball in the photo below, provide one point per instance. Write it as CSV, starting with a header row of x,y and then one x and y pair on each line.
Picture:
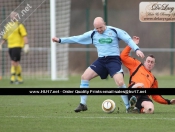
x,y
108,106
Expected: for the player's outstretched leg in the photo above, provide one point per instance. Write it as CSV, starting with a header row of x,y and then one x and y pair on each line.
x,y
87,75
118,78
82,106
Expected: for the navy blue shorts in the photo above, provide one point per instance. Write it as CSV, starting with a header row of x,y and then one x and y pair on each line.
x,y
107,65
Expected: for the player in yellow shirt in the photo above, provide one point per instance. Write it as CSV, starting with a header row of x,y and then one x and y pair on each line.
x,y
16,37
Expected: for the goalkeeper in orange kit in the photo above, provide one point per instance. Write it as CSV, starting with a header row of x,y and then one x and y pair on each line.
x,y
141,77
16,37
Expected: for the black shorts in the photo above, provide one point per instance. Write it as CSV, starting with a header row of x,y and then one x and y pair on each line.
x,y
107,65
141,99
15,53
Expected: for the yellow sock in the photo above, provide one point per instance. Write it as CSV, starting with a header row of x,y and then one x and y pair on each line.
x,y
13,73
18,73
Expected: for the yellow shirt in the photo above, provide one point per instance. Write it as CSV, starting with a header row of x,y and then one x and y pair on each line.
x,y
14,33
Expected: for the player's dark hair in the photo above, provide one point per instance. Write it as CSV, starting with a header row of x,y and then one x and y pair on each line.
x,y
152,56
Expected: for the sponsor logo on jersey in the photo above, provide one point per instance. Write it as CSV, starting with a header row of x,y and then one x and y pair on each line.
x,y
105,40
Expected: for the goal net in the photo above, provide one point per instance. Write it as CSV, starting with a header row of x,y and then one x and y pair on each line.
x,y
38,16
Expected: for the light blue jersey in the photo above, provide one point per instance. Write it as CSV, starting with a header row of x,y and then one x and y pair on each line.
x,y
107,44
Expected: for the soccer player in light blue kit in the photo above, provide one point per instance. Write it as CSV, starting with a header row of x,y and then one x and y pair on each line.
x,y
106,40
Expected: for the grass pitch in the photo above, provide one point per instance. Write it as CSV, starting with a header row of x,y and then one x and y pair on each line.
x,y
56,113
74,82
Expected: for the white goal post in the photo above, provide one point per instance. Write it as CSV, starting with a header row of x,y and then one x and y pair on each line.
x,y
59,26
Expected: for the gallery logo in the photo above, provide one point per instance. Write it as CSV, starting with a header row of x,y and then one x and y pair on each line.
x,y
157,11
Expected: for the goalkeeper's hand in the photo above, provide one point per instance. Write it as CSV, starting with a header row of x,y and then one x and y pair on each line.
x,y
26,48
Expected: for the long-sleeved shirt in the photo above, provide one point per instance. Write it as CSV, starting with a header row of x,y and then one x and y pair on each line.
x,y
139,74
107,43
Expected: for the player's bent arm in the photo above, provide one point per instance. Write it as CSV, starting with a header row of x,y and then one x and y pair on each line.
x,y
159,99
123,35
80,39
127,39
128,61
155,84
25,40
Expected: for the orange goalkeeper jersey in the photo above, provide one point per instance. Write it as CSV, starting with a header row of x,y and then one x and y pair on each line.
x,y
139,74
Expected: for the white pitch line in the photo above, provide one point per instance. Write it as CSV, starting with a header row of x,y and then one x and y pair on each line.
x,y
99,117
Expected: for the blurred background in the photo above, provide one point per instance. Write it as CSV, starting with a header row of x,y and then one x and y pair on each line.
x,y
74,17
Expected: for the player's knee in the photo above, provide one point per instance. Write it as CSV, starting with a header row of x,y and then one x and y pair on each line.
x,y
83,77
138,85
141,85
88,74
120,83
118,78
14,63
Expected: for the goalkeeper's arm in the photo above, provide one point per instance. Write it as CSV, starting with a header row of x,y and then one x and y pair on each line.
x,y
26,46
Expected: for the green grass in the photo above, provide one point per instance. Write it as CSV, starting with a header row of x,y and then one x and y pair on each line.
x,y
74,82
55,113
